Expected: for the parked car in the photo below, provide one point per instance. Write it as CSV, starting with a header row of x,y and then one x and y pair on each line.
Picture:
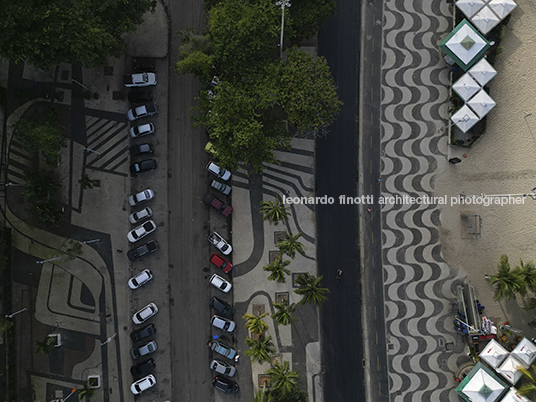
x,y
221,307
140,96
219,242
223,323
225,385
222,368
143,196
141,231
143,250
220,283
140,279
141,149
141,130
144,350
145,313
218,171
221,263
224,188
142,368
219,205
150,109
143,64
142,166
138,80
143,384
145,332
140,215
222,349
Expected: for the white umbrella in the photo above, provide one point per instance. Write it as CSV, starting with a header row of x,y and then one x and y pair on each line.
x,y
466,43
509,369
502,7
466,87
483,72
525,351
481,103
483,388
493,353
485,20
464,118
470,7
513,396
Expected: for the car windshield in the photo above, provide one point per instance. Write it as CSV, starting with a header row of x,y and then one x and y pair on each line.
x,y
223,285
224,247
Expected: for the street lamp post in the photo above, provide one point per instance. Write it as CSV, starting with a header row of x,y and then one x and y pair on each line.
x,y
91,241
12,184
50,259
92,150
283,4
15,313
72,392
108,340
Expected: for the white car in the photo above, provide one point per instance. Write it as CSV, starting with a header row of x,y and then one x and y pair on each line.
x,y
144,196
222,368
141,231
140,215
219,242
218,171
143,384
223,323
141,130
138,80
145,313
220,283
141,279
224,188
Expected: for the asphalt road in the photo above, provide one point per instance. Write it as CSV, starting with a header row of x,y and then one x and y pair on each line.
x,y
337,225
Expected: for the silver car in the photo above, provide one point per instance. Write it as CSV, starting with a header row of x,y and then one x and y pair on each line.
x,y
222,368
144,350
224,188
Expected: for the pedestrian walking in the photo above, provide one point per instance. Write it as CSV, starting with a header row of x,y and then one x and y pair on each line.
x,y
339,274
380,180
370,209
119,251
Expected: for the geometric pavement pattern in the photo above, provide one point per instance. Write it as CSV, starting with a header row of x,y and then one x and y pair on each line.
x,y
423,348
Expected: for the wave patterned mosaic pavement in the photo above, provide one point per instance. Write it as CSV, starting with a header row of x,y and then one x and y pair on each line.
x,y
423,348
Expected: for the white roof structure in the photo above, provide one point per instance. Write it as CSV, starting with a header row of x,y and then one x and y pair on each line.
x,y
502,7
525,351
493,353
481,103
466,44
464,118
483,388
513,396
509,369
485,20
470,7
466,87
482,72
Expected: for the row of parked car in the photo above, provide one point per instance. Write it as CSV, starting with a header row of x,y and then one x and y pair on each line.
x,y
223,320
142,106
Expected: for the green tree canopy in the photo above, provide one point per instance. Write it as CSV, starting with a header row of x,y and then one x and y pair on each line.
x,y
278,269
310,287
507,282
284,314
85,32
282,378
255,323
274,212
260,348
290,245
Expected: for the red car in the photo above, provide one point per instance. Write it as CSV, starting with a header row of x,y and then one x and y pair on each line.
x,y
221,263
220,206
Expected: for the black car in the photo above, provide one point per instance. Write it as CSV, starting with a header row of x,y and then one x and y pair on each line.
x,y
142,166
145,367
221,307
143,333
143,64
225,385
140,96
143,250
141,149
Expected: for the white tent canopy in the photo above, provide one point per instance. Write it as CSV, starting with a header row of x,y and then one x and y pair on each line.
x,y
466,43
466,87
509,369
502,7
482,72
525,351
464,118
493,353
483,388
481,103
470,7
513,396
485,20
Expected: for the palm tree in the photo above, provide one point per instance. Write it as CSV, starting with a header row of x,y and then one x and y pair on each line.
x,y
274,212
260,348
529,385
290,245
278,269
255,323
283,315
282,378
508,282
262,395
311,289
46,346
86,392
527,273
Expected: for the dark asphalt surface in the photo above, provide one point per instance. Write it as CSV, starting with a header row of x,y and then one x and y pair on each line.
x,y
337,226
